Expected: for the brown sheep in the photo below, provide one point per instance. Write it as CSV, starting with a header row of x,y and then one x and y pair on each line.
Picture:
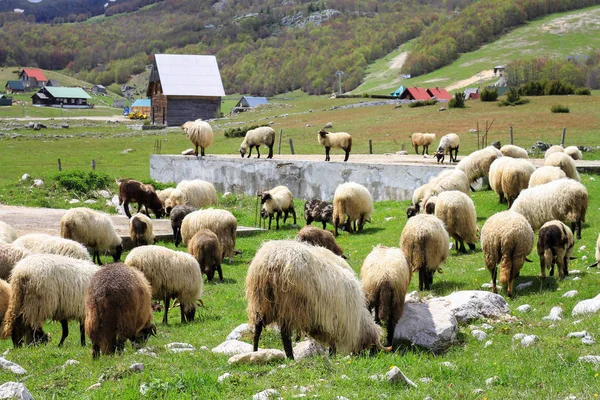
x,y
204,246
320,237
137,192
177,215
555,242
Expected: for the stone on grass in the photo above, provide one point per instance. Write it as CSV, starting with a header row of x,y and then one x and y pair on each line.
x,y
94,386
570,293
448,364
14,390
577,278
589,306
238,332
233,347
177,347
394,375
188,152
328,125
529,340
11,366
136,367
89,201
74,201
307,348
376,377
469,305
402,153
590,359
265,394
523,285
555,314
68,363
518,336
490,381
25,177
147,352
588,339
524,308
104,193
479,335
425,379
223,377
262,356
478,391
488,343
38,183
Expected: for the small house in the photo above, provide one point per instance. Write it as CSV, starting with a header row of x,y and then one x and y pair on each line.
x,y
32,78
398,91
98,89
53,83
439,94
415,93
141,106
14,87
5,100
119,103
67,97
249,102
471,93
499,69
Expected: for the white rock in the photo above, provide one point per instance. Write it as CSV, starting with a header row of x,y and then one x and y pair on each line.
x,y
590,306
412,297
25,177
126,151
73,201
69,363
147,352
223,377
448,364
576,278
481,269
577,334
89,201
523,285
344,377
11,366
468,305
227,194
487,285
376,377
188,152
265,394
490,381
570,293
518,336
203,348
177,347
341,398
584,258
582,248
524,308
590,359
328,125
479,335
486,326
143,389
425,379
136,367
575,272
104,193
578,321
14,390
238,332
571,397
38,183
488,343
386,219
555,314
233,347
478,391
402,153
262,356
307,348
529,340
94,386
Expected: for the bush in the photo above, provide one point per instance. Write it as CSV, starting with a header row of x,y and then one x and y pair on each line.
x,y
489,95
422,103
558,108
557,88
533,88
583,91
513,98
458,101
83,182
240,131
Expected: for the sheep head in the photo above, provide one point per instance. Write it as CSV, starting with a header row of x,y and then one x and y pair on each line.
x,y
439,155
264,197
323,133
117,252
412,211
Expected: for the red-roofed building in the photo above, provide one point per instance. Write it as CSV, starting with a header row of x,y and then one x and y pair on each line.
x,y
415,93
439,94
32,77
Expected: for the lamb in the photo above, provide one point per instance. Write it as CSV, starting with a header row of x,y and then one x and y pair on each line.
x,y
424,241
41,243
196,193
7,233
448,144
10,255
177,215
221,222
477,164
319,211
277,201
509,150
172,274
295,286
555,242
135,191
574,153
46,286
319,237
355,201
204,246
449,179
563,199
546,174
4,299
140,230
118,308
255,137
337,140
422,139
385,276
564,162
200,133
553,149
92,229
515,178
506,239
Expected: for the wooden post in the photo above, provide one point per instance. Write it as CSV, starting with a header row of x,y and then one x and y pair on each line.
x,y
511,135
477,135
279,146
562,141
59,165
93,164
292,146
370,146
256,214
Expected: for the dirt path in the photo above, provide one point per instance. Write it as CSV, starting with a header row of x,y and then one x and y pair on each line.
x,y
399,60
485,75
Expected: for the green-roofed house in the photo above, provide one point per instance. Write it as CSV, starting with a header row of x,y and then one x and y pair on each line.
x,y
67,97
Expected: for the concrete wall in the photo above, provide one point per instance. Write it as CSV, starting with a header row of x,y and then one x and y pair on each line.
x,y
306,179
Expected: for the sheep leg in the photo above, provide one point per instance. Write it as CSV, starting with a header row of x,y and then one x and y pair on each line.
x,y
332,350
258,151
277,216
462,246
270,218
82,333
543,266
416,149
347,155
120,346
201,151
390,327
324,225
294,215
361,223
286,339
166,316
196,151
126,208
566,266
270,151
471,246
177,236
494,276
220,271
335,226
258,327
183,316
65,331
421,278
327,153
96,351
286,213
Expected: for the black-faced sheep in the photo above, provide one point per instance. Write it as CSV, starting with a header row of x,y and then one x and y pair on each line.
x,y
140,230
255,137
132,191
477,164
46,286
353,200
204,246
92,229
118,308
564,162
425,244
293,285
7,233
506,239
448,143
41,243
555,242
337,140
515,178
172,274
509,150
546,174
221,222
318,211
9,257
319,237
196,193
4,299
277,201
177,215
574,152
385,276
200,133
422,139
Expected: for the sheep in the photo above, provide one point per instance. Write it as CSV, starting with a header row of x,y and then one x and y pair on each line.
x,y
424,241
92,229
196,193
319,211
495,176
509,150
46,286
477,164
204,246
555,242
135,191
562,199
448,144
319,237
164,194
221,222
385,276
118,307
515,178
457,211
546,174
177,215
255,137
553,149
564,162
7,233
506,239
172,274
305,288
140,230
4,299
10,255
200,133
574,153
41,243
355,201
337,140
450,179
422,139
277,201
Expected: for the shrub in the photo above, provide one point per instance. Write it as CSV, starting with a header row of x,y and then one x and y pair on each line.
x,y
558,108
422,103
513,98
533,88
583,91
557,88
83,182
489,95
458,101
240,131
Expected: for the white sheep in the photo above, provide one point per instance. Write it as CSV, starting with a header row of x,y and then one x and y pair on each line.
x,y
277,201
4,299
337,140
448,143
200,134
255,137
7,233
449,179
546,174
495,176
41,243
425,243
140,230
196,193
422,139
355,201
46,286
221,222
477,164
10,255
510,150
172,274
553,149
555,242
515,178
574,152
92,229
506,239
564,162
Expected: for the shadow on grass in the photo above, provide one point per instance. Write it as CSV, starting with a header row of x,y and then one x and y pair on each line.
x,y
217,282
550,284
442,287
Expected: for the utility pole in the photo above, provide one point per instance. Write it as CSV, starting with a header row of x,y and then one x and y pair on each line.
x,y
339,75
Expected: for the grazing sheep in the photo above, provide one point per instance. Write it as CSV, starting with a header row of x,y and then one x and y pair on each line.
x,y
10,255
255,137
140,230
319,211
297,287
509,150
276,201
337,140
7,233
449,179
118,308
4,299
424,241
563,199
457,211
564,162
46,286
385,276
546,174
92,229
41,243
164,194
319,237
422,139
200,134
221,222
506,239
574,153
495,176
177,215
555,242
553,149
196,193
204,246
515,178
137,192
355,201
172,274
448,144
477,164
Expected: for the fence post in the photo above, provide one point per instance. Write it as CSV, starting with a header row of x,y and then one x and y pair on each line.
x,y
562,141
59,165
477,135
370,146
511,134
279,146
292,146
93,164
